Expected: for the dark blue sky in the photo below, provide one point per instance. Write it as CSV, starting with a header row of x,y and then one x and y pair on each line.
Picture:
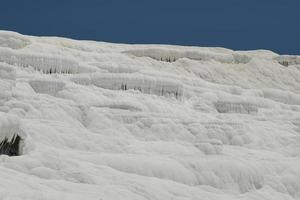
x,y
236,24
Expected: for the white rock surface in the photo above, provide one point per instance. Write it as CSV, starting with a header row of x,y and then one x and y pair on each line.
x,y
114,121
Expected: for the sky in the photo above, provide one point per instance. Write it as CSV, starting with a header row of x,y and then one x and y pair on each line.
x,y
234,24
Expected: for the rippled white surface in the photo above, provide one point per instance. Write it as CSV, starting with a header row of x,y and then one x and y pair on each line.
x,y
112,121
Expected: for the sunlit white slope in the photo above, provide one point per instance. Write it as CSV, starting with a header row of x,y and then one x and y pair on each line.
x,y
115,121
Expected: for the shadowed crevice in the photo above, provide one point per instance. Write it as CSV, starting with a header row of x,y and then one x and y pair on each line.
x,y
10,147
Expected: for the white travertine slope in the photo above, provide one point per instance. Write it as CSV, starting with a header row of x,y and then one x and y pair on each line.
x,y
115,121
